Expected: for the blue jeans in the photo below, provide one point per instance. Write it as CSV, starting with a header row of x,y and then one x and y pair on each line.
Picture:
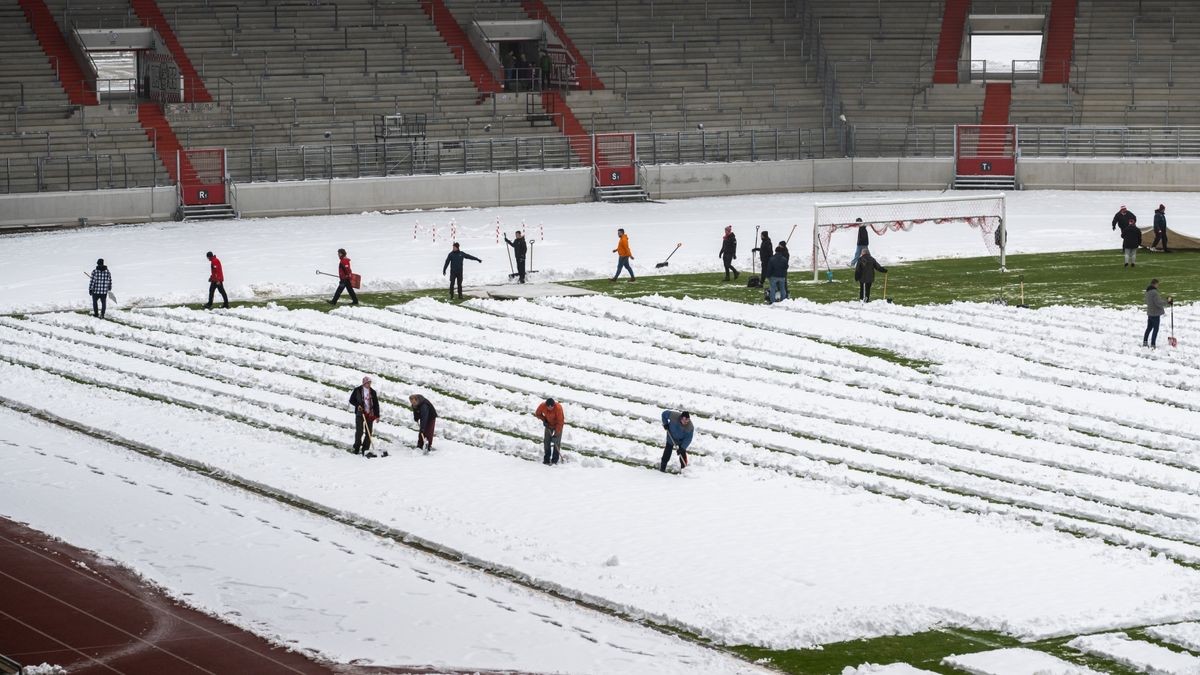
x,y
778,289
1151,334
623,262
857,254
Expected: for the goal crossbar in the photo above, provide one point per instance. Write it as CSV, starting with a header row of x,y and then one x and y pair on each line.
x,y
985,212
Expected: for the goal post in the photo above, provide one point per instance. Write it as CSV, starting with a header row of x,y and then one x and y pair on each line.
x,y
985,213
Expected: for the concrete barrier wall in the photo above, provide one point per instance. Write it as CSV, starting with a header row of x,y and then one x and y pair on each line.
x,y
311,197
560,186
1167,175
675,181
98,206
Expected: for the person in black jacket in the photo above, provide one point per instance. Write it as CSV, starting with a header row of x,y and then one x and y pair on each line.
x,y
1160,228
99,287
764,251
425,417
366,411
728,251
1122,217
776,273
864,274
1131,239
519,248
864,239
454,260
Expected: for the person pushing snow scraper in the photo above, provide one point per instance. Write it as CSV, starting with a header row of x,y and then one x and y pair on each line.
x,y
679,428
366,411
550,412
426,418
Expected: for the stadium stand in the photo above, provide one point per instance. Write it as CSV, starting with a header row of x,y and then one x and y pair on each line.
x,y
302,90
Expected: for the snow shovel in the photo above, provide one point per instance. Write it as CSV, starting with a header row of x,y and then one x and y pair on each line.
x,y
1171,340
886,299
668,260
512,271
355,279
828,270
531,270
1023,305
370,440
111,296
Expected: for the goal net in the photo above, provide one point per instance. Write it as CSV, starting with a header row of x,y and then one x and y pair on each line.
x,y
984,213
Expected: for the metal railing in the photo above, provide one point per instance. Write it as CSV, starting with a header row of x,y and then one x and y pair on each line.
x,y
25,173
99,171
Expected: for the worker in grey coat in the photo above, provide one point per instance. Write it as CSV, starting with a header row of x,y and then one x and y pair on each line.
x,y
1155,308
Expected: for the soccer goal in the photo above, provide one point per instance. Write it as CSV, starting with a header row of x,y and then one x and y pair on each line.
x,y
984,213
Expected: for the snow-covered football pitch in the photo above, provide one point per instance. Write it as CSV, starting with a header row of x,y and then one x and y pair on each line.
x,y
858,471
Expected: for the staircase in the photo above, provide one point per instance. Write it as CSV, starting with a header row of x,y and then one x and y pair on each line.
x,y
997,100
577,137
169,150
1060,43
460,45
152,17
70,75
621,193
588,79
206,212
954,22
158,130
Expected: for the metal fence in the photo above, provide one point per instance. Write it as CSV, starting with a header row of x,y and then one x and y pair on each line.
x,y
31,173
424,157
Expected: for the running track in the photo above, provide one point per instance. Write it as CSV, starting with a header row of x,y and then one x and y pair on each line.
x,y
66,607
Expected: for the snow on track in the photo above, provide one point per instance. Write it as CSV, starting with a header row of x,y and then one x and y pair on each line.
x,y
377,603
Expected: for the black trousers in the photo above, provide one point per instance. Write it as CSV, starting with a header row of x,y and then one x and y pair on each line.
x,y
1160,236
344,285
864,291
456,277
99,304
362,440
667,457
728,259
551,444
521,269
213,287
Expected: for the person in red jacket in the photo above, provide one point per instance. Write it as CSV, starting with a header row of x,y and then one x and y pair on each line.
x,y
216,280
550,413
344,279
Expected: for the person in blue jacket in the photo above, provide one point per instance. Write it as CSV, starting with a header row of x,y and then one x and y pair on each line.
x,y
679,434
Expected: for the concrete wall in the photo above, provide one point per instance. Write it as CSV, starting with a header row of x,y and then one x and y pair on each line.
x,y
1168,175
559,186
675,181
98,206
313,197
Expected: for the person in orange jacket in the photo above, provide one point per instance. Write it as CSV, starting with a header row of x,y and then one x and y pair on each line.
x,y
624,254
550,412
